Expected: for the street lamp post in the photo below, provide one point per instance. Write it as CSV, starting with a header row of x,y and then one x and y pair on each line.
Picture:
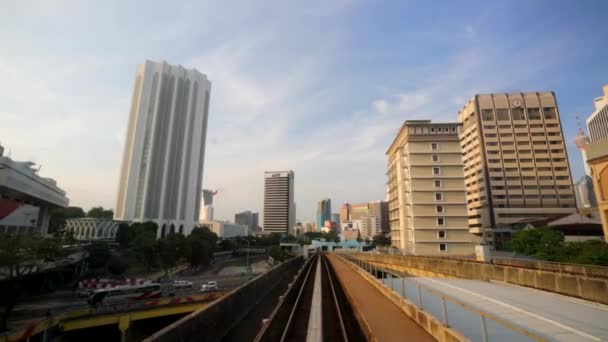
x,y
247,263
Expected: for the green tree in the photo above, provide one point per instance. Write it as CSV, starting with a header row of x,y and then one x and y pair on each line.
x,y
314,235
99,255
277,253
273,239
116,266
381,240
544,243
144,243
172,248
226,245
58,217
21,255
100,212
592,252
125,235
331,236
202,243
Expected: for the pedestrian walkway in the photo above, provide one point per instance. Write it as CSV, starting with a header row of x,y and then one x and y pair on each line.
x,y
386,321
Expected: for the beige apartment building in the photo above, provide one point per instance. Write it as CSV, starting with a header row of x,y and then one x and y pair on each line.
x,y
515,161
427,202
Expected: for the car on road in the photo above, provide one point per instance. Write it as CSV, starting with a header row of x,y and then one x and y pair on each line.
x,y
182,284
209,286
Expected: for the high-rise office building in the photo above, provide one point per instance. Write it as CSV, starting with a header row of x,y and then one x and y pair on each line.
x,y
323,212
379,209
359,210
369,227
515,161
597,123
345,212
247,218
427,206
162,165
279,206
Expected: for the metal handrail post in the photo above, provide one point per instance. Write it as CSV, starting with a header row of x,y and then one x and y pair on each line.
x,y
445,311
484,329
419,295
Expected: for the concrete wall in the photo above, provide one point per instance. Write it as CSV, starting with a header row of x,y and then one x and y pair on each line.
x,y
214,321
575,283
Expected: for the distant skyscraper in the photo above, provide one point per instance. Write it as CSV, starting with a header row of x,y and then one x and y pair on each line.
x,y
248,219
323,212
279,206
358,210
379,209
162,165
345,213
206,211
597,123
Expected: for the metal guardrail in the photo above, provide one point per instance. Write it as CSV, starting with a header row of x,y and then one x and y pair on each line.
x,y
444,298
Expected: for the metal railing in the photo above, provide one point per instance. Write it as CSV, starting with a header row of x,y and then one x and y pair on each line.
x,y
486,320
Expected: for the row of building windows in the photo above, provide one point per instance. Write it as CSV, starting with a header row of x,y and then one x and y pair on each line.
x,y
524,160
432,130
511,197
445,130
502,114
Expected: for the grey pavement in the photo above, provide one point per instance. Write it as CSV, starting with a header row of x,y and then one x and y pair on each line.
x,y
553,316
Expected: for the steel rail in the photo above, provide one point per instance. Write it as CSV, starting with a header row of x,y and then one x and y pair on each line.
x,y
335,298
296,303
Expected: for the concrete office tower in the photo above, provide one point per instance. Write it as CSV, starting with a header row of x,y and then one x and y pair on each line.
x,y
358,210
323,212
206,211
379,209
427,207
515,161
369,227
247,218
597,123
345,213
279,206
162,165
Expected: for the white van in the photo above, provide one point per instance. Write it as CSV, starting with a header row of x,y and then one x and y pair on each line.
x,y
209,286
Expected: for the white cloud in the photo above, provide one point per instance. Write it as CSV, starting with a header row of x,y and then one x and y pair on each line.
x,y
289,92
380,106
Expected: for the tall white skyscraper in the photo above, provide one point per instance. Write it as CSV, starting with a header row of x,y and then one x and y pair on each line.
x,y
162,166
279,206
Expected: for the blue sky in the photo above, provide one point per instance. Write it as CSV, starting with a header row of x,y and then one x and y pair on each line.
x,y
319,87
